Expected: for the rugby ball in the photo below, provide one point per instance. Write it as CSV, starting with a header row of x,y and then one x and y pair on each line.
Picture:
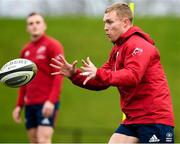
x,y
17,72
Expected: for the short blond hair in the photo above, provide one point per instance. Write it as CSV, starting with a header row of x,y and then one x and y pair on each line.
x,y
122,10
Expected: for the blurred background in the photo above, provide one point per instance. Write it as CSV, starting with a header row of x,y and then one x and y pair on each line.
x,y
85,116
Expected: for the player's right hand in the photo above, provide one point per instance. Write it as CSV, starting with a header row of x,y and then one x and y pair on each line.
x,y
16,114
63,67
48,109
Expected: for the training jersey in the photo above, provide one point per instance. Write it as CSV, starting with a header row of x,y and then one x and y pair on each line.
x,y
134,68
44,86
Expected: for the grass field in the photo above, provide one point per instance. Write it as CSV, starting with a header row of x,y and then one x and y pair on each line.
x,y
86,116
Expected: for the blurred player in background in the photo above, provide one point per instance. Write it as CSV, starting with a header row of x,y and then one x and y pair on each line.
x,y
41,96
134,68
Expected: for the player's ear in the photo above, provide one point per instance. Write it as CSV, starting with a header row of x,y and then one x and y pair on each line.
x,y
126,22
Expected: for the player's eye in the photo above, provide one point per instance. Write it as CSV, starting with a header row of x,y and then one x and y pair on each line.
x,y
31,23
109,21
37,22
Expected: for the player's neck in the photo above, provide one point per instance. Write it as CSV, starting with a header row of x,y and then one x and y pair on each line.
x,y
35,38
127,28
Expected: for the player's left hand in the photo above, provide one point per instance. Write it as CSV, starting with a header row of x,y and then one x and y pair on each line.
x,y
48,109
89,70
63,67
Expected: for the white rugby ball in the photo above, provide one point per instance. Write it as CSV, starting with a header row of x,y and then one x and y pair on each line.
x,y
17,72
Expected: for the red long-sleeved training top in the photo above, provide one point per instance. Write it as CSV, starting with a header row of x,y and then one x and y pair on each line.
x,y
44,86
134,68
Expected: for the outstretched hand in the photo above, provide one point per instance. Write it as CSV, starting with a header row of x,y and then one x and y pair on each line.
x,y
63,67
89,70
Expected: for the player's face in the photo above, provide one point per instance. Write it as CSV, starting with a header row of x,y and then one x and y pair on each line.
x,y
113,25
36,25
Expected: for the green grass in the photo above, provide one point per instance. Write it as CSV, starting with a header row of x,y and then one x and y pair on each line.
x,y
86,116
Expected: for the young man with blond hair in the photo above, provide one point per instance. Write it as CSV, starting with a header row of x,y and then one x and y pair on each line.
x,y
134,68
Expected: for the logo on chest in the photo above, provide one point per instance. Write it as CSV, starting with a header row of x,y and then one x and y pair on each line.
x,y
27,53
40,54
137,51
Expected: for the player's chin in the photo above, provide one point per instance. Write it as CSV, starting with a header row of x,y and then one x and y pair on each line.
x,y
111,39
36,34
